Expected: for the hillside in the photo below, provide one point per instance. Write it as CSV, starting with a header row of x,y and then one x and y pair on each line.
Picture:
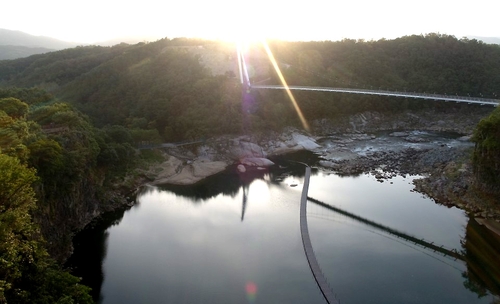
x,y
181,87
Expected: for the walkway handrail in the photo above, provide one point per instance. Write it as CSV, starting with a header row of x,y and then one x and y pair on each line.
x,y
306,242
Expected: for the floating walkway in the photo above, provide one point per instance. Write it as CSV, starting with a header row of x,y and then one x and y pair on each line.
x,y
306,241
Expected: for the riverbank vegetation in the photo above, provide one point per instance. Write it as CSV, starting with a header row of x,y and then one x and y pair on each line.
x,y
57,173
29,160
486,157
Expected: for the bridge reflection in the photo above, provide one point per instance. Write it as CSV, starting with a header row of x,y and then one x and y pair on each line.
x,y
429,245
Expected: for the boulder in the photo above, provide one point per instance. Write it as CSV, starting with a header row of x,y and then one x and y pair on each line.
x,y
416,139
306,142
399,134
256,162
174,173
241,168
242,149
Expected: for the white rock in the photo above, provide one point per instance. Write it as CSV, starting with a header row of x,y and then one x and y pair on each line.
x,y
256,162
306,142
242,149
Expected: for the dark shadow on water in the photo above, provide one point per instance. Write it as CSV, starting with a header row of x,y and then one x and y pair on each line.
x,y
90,246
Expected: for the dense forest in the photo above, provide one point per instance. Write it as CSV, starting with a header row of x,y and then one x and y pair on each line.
x,y
170,87
71,120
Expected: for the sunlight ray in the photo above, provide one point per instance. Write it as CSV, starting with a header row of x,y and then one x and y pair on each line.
x,y
238,51
245,70
282,79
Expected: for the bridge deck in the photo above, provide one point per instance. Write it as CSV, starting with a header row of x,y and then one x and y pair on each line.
x,y
438,97
306,241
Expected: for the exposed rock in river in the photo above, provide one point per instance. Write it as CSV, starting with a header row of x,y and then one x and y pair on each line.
x,y
402,152
174,171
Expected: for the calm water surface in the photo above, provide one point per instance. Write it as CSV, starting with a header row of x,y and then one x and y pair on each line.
x,y
236,239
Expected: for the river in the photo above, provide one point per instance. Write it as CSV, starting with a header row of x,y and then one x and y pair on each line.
x,y
235,238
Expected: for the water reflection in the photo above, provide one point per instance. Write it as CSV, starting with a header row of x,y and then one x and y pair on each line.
x,y
230,181
188,244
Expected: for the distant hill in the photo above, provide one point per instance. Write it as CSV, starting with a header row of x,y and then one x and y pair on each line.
x,y
16,51
9,37
16,44
489,40
128,40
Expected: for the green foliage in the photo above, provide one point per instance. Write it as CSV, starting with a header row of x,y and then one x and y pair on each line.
x,y
486,157
12,134
47,156
13,107
17,233
27,274
30,96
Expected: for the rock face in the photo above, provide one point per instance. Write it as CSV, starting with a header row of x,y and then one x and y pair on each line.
x,y
175,171
290,141
453,120
248,154
244,149
184,167
256,162
306,142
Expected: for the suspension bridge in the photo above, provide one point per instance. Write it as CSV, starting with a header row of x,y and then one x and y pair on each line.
x,y
436,97
247,86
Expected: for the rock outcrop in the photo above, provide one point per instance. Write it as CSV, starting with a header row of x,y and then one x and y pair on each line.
x,y
178,172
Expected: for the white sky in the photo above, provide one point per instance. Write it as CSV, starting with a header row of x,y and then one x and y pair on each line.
x,y
98,20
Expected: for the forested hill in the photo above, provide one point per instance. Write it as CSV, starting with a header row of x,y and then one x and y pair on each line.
x,y
431,63
167,86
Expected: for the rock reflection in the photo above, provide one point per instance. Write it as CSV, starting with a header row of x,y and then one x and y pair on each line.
x,y
482,251
230,181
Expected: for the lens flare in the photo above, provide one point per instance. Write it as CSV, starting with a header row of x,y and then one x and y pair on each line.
x,y
251,290
282,79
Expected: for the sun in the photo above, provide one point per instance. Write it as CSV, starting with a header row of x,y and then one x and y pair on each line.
x,y
242,35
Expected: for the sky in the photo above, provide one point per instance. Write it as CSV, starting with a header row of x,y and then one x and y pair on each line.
x,y
93,21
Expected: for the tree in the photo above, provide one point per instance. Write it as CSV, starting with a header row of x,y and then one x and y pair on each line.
x,y
27,274
18,235
13,107
486,157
